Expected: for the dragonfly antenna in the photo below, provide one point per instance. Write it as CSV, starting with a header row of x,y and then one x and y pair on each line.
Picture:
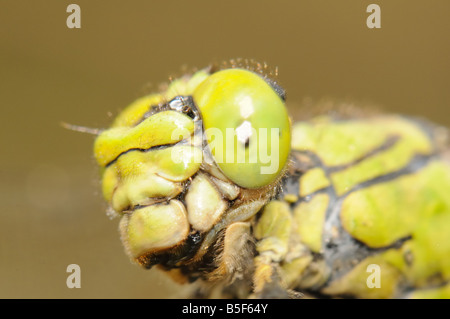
x,y
82,129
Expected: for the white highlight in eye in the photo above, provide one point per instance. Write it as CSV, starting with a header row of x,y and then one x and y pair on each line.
x,y
246,107
243,132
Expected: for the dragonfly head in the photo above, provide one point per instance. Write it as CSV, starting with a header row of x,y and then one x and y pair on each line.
x,y
182,171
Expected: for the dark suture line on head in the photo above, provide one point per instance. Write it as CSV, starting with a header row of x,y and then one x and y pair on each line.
x,y
153,148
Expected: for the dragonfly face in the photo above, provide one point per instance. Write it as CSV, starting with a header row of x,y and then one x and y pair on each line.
x,y
209,185
183,166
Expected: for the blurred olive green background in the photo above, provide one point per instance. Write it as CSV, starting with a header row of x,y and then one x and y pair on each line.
x,y
52,211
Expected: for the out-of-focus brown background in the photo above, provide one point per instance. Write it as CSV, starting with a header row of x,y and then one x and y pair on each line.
x,y
52,212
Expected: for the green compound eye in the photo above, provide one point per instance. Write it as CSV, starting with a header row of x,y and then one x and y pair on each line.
x,y
246,124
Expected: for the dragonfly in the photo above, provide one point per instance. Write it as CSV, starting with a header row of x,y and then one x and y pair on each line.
x,y
214,183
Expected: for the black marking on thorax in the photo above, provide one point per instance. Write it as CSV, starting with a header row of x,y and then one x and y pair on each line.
x,y
343,252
